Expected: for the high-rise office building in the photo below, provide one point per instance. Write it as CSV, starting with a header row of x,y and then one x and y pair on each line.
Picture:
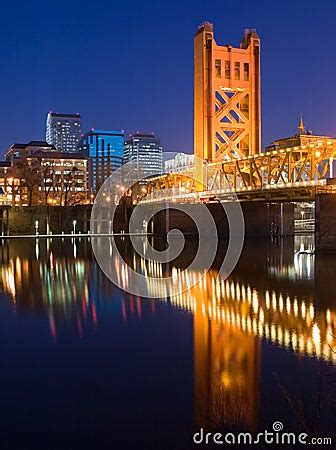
x,y
64,131
145,151
105,149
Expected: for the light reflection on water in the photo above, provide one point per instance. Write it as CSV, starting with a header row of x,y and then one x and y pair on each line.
x,y
60,283
278,294
278,314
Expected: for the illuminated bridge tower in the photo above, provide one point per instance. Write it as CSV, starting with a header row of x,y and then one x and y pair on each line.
x,y
227,117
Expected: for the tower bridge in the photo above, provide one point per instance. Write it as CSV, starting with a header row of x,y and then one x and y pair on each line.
x,y
229,163
227,133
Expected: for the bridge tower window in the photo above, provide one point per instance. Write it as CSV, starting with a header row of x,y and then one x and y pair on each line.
x,y
246,71
218,67
227,70
237,70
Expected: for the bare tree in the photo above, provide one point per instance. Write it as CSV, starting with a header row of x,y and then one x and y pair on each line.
x,y
16,185
30,177
70,194
48,178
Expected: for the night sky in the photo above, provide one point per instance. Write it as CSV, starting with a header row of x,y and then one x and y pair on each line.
x,y
129,64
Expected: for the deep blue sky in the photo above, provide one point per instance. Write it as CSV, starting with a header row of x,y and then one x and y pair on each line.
x,y
129,64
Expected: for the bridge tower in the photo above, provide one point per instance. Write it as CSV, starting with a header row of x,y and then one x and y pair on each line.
x,y
227,116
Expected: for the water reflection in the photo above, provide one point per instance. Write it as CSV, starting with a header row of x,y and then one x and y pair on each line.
x,y
277,301
284,313
279,293
47,276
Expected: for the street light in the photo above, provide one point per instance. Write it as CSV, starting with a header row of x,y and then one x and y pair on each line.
x,y
36,227
74,226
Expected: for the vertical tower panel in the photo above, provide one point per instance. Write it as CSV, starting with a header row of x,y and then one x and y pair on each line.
x,y
227,116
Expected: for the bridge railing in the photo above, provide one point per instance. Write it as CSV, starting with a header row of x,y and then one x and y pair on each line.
x,y
279,169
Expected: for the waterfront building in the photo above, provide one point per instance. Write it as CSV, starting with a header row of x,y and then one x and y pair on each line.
x,y
180,163
8,184
145,152
64,131
20,151
105,150
37,174
303,138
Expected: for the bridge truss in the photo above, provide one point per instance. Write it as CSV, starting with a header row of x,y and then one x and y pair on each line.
x,y
293,171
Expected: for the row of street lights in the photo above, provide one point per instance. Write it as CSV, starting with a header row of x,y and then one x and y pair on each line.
x,y
74,223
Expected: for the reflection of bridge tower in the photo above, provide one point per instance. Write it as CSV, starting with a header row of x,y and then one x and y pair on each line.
x,y
227,120
226,372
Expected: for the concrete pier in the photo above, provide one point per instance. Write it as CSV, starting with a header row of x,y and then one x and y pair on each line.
x,y
325,223
261,219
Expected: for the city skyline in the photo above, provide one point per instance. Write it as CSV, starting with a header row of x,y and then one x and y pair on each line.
x,y
168,224
162,65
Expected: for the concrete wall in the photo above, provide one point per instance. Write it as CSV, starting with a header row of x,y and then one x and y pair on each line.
x,y
21,219
261,219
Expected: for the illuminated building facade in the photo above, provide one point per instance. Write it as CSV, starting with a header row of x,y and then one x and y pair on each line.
x,y
63,178
8,183
20,151
227,116
181,163
303,138
36,173
105,150
64,131
145,152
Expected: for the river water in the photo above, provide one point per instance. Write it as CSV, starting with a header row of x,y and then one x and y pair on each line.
x,y
86,365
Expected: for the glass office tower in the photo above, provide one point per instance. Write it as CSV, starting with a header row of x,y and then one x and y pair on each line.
x,y
145,152
105,149
64,131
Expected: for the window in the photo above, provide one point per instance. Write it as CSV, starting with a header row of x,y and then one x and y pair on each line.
x,y
246,71
244,106
218,67
227,70
237,70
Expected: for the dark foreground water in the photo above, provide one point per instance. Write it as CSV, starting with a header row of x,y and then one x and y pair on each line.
x,y
85,365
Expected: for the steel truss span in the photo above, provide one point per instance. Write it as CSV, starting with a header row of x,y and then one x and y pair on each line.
x,y
290,174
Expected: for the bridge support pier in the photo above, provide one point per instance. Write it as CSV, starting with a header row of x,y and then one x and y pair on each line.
x,y
268,219
261,220
325,223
